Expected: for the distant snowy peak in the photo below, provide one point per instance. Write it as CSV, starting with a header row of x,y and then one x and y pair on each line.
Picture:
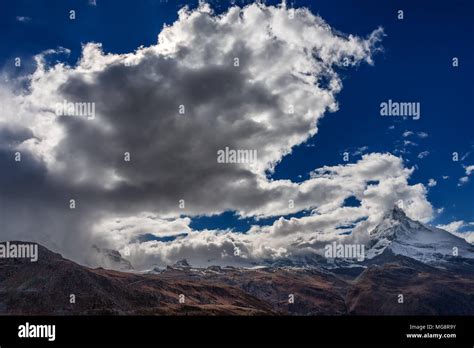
x,y
181,264
404,236
394,225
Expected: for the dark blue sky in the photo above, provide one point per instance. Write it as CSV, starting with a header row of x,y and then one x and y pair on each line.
x,y
414,66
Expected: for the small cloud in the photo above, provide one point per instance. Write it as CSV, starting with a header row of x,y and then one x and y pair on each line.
x,y
423,154
391,127
356,151
93,2
452,226
456,227
408,142
445,177
440,210
465,179
23,19
469,170
407,133
432,183
401,151
422,134
360,150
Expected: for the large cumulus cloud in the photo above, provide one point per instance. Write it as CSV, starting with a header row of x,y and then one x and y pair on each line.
x,y
256,78
377,182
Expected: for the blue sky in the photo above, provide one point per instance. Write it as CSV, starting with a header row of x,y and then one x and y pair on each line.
x,y
415,65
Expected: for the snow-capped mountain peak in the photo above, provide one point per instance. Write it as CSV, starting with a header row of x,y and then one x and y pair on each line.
x,y
404,236
181,264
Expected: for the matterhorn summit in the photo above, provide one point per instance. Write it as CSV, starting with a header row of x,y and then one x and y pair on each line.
x,y
400,235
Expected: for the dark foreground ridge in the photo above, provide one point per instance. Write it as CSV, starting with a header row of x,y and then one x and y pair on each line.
x,y
45,288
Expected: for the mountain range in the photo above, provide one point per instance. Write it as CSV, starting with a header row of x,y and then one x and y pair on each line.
x,y
409,269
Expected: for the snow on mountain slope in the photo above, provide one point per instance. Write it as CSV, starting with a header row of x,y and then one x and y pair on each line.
x,y
401,235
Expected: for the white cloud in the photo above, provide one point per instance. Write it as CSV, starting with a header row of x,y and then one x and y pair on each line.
x,y
408,133
378,181
23,19
454,228
422,135
409,142
465,179
432,182
468,236
469,169
284,63
121,231
423,154
243,107
360,150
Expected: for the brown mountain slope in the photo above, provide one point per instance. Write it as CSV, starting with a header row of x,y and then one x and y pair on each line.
x,y
426,290
44,288
315,292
